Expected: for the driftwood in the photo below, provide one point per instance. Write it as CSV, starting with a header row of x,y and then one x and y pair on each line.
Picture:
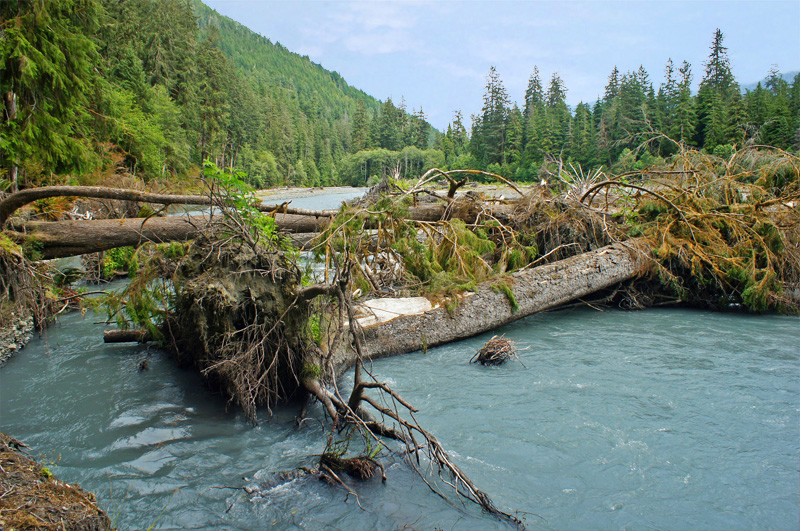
x,y
58,239
534,290
126,336
496,351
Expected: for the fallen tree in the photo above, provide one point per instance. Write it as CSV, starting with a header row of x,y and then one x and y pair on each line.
x,y
498,302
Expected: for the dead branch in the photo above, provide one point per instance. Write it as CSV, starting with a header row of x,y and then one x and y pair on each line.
x,y
19,199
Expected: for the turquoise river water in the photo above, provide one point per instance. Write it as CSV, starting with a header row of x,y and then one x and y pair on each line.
x,y
659,419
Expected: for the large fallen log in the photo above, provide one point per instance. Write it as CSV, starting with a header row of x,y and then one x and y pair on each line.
x,y
397,326
59,239
490,306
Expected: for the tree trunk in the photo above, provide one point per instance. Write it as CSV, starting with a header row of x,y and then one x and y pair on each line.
x,y
24,197
533,290
58,239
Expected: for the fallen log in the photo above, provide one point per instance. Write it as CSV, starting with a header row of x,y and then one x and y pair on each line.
x,y
489,307
388,329
127,336
59,239
19,199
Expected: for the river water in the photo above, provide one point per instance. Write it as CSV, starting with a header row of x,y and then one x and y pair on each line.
x,y
665,418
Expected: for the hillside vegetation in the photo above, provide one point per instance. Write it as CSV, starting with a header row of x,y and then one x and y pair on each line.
x,y
140,93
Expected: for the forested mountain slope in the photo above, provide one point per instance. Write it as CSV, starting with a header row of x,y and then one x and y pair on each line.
x,y
143,91
151,88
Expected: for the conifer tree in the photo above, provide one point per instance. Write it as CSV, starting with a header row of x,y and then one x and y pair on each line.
x,y
718,99
360,129
534,117
492,125
46,59
777,131
558,115
390,128
684,125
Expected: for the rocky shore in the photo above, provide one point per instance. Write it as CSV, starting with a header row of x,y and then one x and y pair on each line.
x,y
14,334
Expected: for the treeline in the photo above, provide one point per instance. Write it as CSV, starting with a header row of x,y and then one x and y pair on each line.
x,y
151,88
94,90
631,127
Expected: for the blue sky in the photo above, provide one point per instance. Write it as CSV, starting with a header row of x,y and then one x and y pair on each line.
x,y
436,54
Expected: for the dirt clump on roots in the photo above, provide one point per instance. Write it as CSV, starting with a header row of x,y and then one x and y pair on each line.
x,y
32,498
236,318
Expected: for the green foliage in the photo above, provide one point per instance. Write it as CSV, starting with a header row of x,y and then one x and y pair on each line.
x,y
719,243
315,327
237,197
448,262
311,370
358,168
504,287
46,55
119,259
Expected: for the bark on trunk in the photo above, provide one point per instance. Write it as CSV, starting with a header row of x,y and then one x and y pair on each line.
x,y
60,239
534,290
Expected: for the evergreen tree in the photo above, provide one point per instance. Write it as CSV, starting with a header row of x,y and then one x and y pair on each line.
x,y
360,130
582,143
535,121
390,128
558,116
666,107
418,130
514,137
46,59
684,123
718,100
492,125
534,95
214,74
778,131
794,111
612,87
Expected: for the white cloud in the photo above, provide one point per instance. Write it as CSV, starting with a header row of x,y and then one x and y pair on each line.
x,y
380,42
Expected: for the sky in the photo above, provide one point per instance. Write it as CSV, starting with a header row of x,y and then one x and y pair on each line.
x,y
436,54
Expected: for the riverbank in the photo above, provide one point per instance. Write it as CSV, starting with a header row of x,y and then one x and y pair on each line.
x,y
32,498
289,193
14,334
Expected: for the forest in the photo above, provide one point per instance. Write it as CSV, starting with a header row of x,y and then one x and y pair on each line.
x,y
100,92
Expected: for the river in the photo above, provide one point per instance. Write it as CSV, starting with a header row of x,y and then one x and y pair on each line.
x,y
665,418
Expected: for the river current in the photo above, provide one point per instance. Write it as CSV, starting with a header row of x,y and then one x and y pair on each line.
x,y
664,418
